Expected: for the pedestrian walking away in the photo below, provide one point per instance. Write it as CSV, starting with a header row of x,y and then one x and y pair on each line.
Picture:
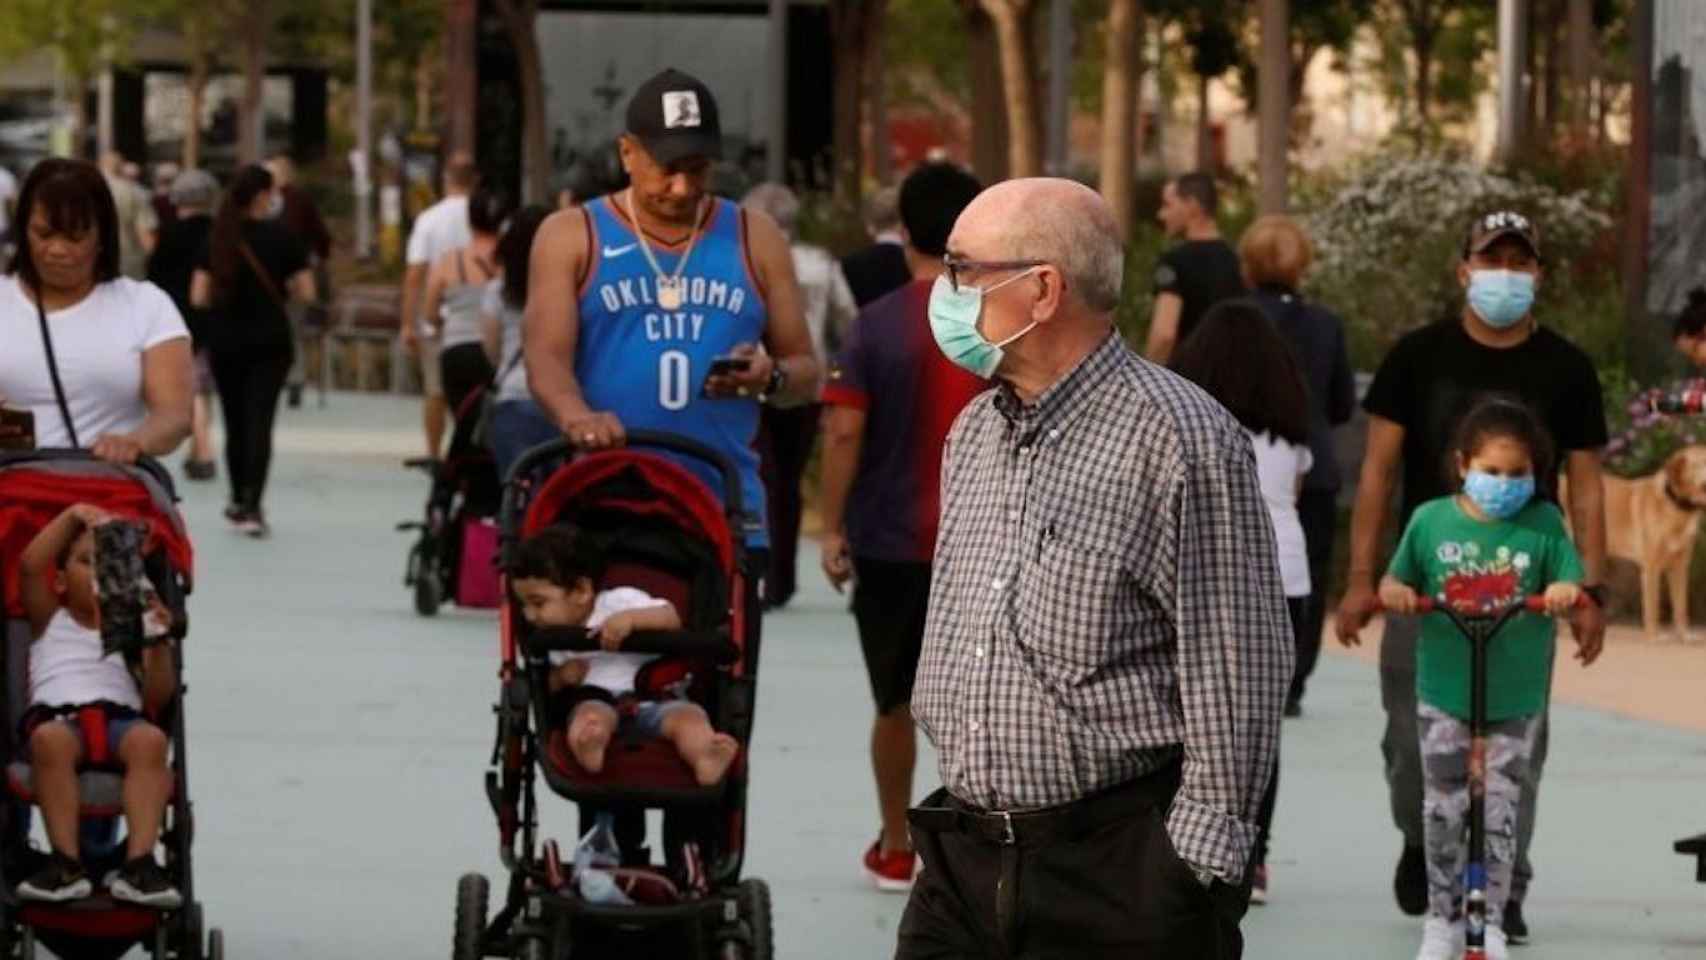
x,y
1107,649
1420,393
439,229
1274,255
1198,273
1238,356
788,435
888,403
249,272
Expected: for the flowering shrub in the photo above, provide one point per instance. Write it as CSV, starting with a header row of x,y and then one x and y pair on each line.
x,y
1643,436
1389,235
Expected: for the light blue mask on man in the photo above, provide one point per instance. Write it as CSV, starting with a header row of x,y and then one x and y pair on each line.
x,y
1501,297
953,322
1498,497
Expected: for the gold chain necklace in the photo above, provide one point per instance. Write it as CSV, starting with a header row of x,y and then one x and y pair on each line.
x,y
671,289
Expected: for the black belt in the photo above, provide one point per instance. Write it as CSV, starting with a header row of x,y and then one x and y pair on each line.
x,y
942,812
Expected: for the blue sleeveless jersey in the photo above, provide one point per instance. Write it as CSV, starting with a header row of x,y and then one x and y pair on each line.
x,y
647,365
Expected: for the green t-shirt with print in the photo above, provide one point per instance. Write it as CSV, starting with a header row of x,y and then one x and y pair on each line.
x,y
1488,564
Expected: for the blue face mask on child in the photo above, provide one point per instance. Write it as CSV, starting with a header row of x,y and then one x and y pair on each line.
x,y
1498,497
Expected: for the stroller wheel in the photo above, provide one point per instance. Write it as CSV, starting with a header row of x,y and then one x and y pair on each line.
x,y
472,895
27,944
533,949
189,933
429,592
216,944
754,897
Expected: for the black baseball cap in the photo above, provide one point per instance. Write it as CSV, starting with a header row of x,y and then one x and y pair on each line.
x,y
1490,228
674,117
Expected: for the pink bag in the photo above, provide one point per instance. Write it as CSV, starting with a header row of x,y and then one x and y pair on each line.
x,y
477,577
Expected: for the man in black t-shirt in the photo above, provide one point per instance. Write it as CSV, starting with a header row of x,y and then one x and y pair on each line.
x,y
1195,275
1424,386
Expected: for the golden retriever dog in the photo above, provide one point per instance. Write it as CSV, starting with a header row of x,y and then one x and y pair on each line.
x,y
1653,521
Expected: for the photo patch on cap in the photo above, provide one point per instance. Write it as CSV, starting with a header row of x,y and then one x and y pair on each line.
x,y
680,109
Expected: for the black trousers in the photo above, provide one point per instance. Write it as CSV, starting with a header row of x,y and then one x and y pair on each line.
x,y
1319,512
249,383
1298,608
1095,880
789,436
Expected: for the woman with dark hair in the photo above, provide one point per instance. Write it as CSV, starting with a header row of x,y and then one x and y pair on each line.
x,y
1240,358
1688,331
95,360
455,287
517,421
251,265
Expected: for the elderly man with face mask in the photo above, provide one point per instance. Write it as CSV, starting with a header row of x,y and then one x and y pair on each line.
x,y
1107,648
1423,387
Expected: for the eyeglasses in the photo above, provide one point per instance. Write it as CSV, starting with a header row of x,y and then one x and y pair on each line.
x,y
957,266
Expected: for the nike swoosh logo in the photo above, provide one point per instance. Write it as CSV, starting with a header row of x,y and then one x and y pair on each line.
x,y
618,251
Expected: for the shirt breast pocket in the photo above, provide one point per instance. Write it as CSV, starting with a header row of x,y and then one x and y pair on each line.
x,y
1072,605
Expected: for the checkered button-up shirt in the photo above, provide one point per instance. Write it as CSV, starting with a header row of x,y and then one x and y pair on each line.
x,y
1106,599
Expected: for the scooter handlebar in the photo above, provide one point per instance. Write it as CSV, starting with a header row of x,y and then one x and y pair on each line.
x,y
1534,604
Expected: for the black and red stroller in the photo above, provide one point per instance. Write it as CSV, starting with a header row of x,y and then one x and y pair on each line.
x,y
667,534
454,557
35,487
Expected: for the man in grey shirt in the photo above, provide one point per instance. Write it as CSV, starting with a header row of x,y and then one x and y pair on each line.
x,y
1107,649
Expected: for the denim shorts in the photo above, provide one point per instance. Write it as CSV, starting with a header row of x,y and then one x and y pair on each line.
x,y
118,724
645,719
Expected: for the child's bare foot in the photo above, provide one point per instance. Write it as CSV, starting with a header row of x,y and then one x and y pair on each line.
x,y
713,764
587,743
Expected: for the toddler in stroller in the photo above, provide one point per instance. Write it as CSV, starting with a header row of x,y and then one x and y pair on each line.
x,y
664,538
93,712
553,574
84,702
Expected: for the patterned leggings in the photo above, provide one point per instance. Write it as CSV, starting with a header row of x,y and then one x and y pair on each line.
x,y
1445,805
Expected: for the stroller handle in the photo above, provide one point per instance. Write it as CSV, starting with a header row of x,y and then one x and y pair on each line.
x,y
670,643
734,504
146,464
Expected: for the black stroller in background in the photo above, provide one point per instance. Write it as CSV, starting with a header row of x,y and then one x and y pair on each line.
x,y
454,556
34,487
667,535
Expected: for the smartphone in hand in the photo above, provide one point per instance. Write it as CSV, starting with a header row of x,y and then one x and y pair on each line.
x,y
17,429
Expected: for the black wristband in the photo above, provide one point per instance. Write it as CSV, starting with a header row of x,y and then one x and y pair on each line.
x,y
1598,594
778,380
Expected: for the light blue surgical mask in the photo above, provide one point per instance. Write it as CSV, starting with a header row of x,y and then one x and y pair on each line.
x,y
1498,497
1501,297
953,321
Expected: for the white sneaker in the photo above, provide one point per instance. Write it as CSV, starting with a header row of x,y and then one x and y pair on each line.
x,y
1495,940
1441,940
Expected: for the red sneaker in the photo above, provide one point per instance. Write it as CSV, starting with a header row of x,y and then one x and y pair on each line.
x,y
892,872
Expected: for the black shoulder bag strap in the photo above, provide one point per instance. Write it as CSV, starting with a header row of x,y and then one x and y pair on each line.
x,y
53,372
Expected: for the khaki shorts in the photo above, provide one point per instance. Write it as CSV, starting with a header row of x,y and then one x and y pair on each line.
x,y
432,371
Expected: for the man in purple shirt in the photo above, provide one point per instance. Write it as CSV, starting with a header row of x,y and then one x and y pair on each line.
x,y
889,402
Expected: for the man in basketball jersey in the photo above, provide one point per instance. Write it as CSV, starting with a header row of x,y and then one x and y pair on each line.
x,y
660,307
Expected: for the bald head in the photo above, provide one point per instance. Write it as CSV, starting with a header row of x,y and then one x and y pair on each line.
x,y
1058,221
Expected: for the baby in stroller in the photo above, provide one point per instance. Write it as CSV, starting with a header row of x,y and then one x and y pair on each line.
x,y
78,694
554,573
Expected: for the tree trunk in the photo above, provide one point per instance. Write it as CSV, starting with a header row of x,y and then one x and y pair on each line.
x,y
519,17
1274,105
1424,84
876,100
1024,141
1205,143
988,112
1119,109
251,110
849,21
197,83
1581,66
79,114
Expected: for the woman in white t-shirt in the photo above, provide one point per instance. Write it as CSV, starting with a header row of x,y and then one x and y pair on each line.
x,y
118,348
1240,358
